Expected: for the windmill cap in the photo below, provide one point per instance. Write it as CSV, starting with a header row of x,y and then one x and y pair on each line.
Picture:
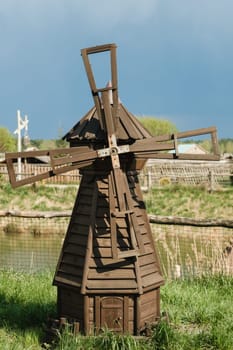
x,y
128,128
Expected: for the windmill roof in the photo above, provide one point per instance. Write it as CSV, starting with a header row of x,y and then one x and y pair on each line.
x,y
89,127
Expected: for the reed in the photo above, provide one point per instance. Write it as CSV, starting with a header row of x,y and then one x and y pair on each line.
x,y
193,251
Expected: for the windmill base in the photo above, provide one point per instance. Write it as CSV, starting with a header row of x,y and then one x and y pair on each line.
x,y
131,314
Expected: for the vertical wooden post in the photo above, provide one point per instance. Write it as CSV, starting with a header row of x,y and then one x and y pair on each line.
x,y
211,180
19,145
126,314
97,312
138,315
86,318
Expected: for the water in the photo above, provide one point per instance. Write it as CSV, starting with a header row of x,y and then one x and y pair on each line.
x,y
182,251
28,252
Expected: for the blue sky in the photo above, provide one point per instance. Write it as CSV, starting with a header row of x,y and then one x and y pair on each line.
x,y
175,61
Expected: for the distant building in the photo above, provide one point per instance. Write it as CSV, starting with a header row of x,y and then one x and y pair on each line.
x,y
190,148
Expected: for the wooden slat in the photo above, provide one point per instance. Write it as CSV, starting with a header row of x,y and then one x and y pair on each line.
x,y
99,252
73,157
150,145
146,259
70,270
78,229
72,259
80,240
128,253
153,279
149,310
111,284
102,242
148,269
126,314
89,247
112,206
97,312
106,274
82,220
86,314
74,249
110,263
130,128
106,242
65,280
142,132
84,209
91,80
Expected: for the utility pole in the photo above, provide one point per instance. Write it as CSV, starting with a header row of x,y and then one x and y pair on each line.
x,y
22,124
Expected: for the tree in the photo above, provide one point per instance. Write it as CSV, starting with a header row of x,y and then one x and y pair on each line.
x,y
207,145
60,143
7,141
157,126
36,143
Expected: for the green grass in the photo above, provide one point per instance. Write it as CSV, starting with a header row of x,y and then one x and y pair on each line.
x,y
39,197
190,201
176,200
199,316
26,300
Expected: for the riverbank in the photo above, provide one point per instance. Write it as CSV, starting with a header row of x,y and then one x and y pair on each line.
x,y
171,200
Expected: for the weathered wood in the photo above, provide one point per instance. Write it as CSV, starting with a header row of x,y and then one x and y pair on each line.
x,y
106,274
64,279
89,246
174,220
97,311
35,214
110,263
154,219
126,314
86,314
69,269
123,285
152,279
138,315
75,260
112,219
108,254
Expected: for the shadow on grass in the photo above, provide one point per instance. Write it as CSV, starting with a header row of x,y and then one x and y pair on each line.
x,y
26,314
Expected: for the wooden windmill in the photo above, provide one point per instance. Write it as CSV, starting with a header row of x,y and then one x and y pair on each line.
x,y
108,273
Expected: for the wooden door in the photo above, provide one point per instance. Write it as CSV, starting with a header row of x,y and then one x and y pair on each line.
x,y
112,313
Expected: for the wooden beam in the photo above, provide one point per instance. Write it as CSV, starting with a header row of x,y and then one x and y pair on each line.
x,y
89,248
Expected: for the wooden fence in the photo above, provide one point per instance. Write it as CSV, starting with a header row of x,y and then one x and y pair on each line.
x,y
156,172
211,174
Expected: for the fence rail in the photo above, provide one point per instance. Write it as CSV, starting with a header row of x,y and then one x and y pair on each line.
x,y
157,172
211,174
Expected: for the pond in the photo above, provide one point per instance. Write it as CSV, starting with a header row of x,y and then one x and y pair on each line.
x,y
182,250
28,252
